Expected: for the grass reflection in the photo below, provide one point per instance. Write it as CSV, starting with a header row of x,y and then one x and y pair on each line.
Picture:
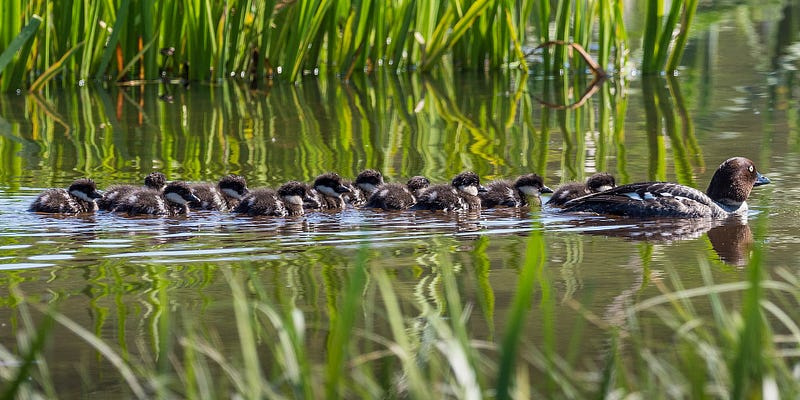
x,y
403,124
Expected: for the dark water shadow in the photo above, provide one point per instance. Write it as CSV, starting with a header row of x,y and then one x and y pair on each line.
x,y
731,239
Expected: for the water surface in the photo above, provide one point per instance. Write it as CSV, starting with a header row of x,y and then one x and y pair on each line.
x,y
118,276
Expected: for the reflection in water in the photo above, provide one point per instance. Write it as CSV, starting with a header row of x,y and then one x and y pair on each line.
x,y
731,238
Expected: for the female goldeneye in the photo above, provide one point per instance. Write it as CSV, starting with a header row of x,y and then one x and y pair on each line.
x,y
330,189
461,194
78,198
224,196
505,193
112,195
396,196
598,182
726,195
173,200
364,185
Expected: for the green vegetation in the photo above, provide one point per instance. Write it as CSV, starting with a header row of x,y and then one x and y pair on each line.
x,y
384,342
139,41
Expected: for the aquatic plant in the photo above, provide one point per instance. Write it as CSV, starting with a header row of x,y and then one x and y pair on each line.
x,y
138,41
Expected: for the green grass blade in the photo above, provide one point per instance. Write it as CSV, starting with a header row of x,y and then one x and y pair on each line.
x,y
534,262
683,36
51,72
36,346
340,337
748,365
111,46
27,32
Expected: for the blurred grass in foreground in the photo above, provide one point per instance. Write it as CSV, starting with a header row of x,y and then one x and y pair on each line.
x,y
377,348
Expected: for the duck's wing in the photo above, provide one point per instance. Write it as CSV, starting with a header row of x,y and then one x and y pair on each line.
x,y
643,191
646,199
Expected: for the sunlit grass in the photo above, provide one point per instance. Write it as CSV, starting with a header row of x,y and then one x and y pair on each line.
x,y
206,40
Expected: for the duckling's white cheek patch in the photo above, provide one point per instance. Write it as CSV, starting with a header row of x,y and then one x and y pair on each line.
x,y
175,198
470,190
367,187
383,193
328,191
80,195
232,193
604,188
529,190
296,200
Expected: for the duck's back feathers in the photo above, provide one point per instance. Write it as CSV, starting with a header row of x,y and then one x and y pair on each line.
x,y
649,199
440,197
208,198
500,193
391,196
261,201
115,193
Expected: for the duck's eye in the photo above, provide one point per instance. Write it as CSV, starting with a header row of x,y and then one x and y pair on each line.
x,y
751,169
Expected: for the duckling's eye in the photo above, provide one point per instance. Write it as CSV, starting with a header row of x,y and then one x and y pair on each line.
x,y
751,169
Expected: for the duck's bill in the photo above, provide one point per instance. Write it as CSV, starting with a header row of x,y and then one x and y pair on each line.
x,y
761,180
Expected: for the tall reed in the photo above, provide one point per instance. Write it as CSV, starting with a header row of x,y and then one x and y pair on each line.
x,y
207,40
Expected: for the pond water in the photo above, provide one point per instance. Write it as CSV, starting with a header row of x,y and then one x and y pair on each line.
x,y
117,276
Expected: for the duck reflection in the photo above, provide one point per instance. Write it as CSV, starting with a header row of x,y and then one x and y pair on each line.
x,y
730,238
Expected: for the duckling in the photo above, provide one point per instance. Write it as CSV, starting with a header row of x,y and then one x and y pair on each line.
x,y
517,194
173,200
112,195
461,194
596,183
294,195
417,184
261,201
330,189
223,196
365,184
313,199
395,196
78,198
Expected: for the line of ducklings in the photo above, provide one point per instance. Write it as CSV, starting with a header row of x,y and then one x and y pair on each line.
x,y
328,192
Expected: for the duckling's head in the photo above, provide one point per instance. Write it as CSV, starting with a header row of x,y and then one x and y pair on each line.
x,y
417,184
84,189
469,183
600,182
234,186
368,180
155,180
531,185
330,184
179,192
295,193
